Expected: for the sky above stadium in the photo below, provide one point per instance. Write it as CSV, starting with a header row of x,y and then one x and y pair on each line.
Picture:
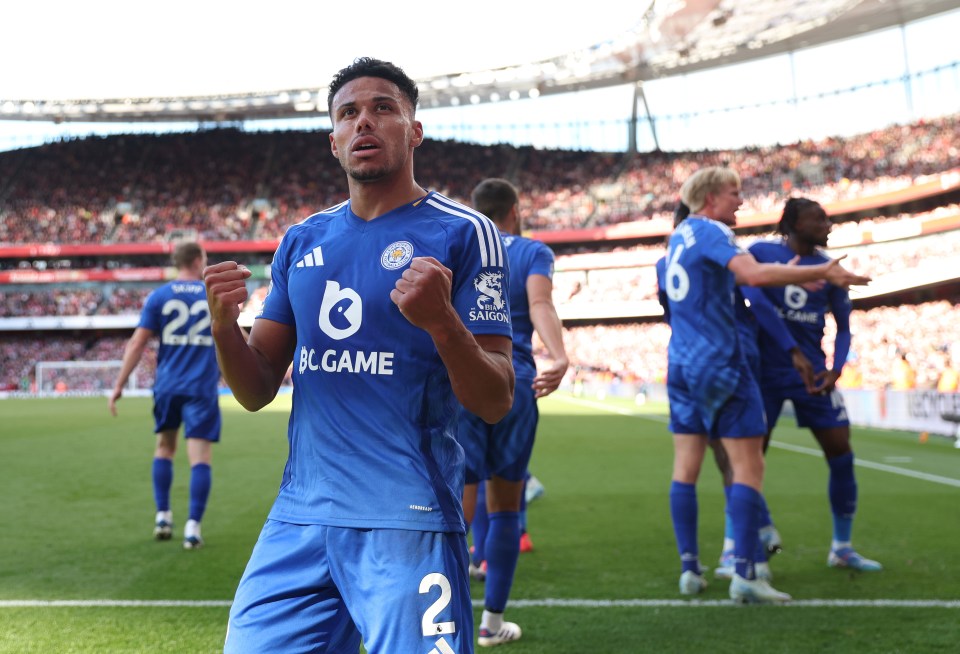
x,y
116,49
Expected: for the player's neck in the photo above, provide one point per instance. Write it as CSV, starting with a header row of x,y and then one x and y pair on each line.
x,y
803,248
369,200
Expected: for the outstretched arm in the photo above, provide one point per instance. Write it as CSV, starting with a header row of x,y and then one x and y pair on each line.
x,y
131,357
751,272
545,320
480,367
253,367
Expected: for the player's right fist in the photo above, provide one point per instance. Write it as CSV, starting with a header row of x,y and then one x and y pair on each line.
x,y
226,285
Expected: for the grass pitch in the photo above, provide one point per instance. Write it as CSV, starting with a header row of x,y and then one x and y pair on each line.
x,y
79,571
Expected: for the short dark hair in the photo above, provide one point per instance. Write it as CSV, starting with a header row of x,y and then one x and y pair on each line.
x,y
186,253
370,67
494,198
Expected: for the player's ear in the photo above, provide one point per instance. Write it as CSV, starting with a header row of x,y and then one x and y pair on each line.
x,y
333,145
417,137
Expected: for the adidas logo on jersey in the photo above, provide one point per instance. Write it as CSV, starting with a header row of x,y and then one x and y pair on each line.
x,y
312,259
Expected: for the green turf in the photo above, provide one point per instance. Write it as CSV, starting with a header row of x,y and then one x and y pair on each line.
x,y
77,512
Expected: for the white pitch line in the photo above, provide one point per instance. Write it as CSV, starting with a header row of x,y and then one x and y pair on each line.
x,y
529,603
937,479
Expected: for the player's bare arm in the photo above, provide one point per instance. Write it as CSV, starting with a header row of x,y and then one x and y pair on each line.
x,y
131,357
252,366
480,367
545,320
753,273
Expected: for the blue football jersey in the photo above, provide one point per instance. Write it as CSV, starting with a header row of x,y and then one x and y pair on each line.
x,y
746,322
700,293
372,431
186,359
526,257
802,311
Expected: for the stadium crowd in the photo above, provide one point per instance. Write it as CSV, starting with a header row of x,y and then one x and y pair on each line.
x,y
226,184
618,275
923,334
628,353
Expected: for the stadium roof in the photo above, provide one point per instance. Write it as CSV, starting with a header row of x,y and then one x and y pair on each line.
x,y
671,37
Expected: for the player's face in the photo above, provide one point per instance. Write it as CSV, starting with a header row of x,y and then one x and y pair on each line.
x,y
813,225
726,201
374,131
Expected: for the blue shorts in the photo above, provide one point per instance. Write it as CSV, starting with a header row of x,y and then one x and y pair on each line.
x,y
813,411
314,588
200,416
719,401
503,449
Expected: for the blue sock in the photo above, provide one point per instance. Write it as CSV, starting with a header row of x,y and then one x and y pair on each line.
x,y
480,526
683,510
765,519
745,509
761,555
162,480
503,550
199,490
843,496
727,520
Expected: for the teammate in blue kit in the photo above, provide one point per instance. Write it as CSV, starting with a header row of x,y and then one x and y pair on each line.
x,y
711,390
747,319
804,227
392,307
500,453
185,386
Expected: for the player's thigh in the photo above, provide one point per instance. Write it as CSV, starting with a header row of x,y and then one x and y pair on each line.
x,y
408,591
511,439
685,415
473,435
773,399
201,418
816,411
742,414
286,600
167,412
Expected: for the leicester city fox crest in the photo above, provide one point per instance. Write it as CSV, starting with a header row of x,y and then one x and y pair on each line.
x,y
397,255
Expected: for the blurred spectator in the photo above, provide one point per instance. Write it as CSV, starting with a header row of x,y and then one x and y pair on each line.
x,y
903,378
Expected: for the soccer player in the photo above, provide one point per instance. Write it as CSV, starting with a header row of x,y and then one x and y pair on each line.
x,y
185,387
392,307
711,391
804,227
747,329
500,453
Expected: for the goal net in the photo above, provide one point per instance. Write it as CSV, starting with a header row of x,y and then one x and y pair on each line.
x,y
86,378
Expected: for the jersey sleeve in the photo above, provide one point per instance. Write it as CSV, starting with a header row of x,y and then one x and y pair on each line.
x,y
661,268
150,314
276,306
543,259
719,244
481,279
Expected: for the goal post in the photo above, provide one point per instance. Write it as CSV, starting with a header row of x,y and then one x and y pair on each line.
x,y
58,378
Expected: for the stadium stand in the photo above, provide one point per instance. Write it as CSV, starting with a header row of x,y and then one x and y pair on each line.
x,y
85,226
